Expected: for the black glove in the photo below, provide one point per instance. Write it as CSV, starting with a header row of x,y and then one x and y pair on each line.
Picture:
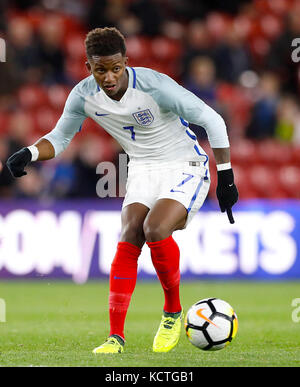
x,y
18,161
227,192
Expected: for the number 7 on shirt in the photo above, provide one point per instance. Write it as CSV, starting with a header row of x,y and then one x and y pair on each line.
x,y
131,128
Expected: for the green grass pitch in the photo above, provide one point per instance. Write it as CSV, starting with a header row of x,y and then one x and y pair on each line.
x,y
52,323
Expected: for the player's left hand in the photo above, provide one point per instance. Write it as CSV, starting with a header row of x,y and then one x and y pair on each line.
x,y
227,192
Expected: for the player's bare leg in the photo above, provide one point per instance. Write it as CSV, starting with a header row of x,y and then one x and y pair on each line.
x,y
123,275
133,217
165,217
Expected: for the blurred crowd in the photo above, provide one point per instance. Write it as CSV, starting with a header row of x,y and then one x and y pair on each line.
x,y
235,55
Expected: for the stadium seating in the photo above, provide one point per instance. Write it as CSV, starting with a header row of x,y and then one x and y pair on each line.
x,y
274,153
57,95
32,97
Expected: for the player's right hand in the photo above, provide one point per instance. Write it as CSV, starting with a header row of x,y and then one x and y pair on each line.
x,y
18,161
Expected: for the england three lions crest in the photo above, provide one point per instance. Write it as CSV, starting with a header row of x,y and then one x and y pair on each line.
x,y
143,117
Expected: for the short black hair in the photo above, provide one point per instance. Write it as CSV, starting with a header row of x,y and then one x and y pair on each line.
x,y
104,41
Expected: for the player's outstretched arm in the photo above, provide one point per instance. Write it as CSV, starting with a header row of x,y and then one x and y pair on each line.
x,y
227,192
42,150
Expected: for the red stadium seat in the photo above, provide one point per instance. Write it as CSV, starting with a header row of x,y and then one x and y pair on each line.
x,y
138,49
275,6
166,68
241,179
57,95
289,177
4,120
213,182
264,181
274,153
21,126
243,153
72,25
165,49
91,127
259,46
45,119
76,69
36,17
217,24
94,149
295,150
271,26
74,46
243,24
32,97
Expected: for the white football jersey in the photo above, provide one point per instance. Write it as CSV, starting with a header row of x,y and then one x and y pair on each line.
x,y
150,121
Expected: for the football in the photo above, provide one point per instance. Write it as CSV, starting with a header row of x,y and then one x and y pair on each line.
x,y
211,324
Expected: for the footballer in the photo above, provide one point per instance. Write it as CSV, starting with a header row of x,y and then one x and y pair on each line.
x,y
148,113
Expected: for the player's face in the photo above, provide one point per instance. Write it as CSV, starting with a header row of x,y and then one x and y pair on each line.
x,y
110,74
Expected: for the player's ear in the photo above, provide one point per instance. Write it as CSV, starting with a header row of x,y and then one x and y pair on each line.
x,y
126,60
88,66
